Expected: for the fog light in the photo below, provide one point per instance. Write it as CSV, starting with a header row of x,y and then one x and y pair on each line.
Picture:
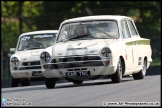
x,y
47,66
106,63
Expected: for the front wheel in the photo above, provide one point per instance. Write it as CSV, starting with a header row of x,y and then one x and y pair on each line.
x,y
14,82
50,82
117,76
141,73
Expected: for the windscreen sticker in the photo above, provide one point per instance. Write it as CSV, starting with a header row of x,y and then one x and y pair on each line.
x,y
93,23
25,38
36,36
42,36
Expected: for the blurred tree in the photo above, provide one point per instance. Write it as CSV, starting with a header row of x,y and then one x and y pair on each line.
x,y
9,26
20,4
158,6
9,34
12,25
71,9
49,14
145,13
57,6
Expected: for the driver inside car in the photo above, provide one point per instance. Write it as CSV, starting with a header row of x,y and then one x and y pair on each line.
x,y
29,43
80,31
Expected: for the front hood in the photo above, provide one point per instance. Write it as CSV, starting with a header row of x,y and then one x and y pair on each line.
x,y
82,47
30,55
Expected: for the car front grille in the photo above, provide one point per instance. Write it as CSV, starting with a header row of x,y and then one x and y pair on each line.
x,y
71,59
31,63
77,64
76,61
34,67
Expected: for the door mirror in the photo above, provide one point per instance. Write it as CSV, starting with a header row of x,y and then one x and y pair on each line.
x,y
12,49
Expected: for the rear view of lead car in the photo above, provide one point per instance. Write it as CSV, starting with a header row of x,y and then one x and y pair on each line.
x,y
92,46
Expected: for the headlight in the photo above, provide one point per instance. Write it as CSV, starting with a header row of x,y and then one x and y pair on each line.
x,y
45,57
15,61
105,52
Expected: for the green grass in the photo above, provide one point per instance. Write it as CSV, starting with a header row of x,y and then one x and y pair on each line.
x,y
156,62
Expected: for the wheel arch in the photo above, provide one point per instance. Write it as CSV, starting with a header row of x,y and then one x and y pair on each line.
x,y
145,58
123,64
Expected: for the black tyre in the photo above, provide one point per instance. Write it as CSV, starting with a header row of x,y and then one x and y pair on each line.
x,y
50,82
25,83
141,74
14,82
77,82
117,76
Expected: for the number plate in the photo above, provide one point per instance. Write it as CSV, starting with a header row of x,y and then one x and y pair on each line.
x,y
37,73
81,73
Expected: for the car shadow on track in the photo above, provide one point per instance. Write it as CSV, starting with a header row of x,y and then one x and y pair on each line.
x,y
69,84
62,85
152,70
94,83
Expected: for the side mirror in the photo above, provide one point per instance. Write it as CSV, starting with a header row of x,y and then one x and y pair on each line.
x,y
12,49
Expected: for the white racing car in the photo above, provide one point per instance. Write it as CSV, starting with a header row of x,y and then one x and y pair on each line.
x,y
93,46
25,62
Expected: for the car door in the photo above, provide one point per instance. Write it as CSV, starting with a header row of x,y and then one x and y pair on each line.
x,y
129,58
135,38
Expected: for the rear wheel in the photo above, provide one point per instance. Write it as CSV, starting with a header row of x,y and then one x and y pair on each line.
x,y
50,82
117,76
14,82
141,74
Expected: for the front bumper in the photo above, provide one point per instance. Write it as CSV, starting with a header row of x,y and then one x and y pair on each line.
x,y
35,73
93,64
94,71
28,69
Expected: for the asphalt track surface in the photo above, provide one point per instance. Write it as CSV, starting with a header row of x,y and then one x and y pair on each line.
x,y
100,92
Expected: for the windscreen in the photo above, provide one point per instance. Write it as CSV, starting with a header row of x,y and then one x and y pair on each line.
x,y
37,41
87,30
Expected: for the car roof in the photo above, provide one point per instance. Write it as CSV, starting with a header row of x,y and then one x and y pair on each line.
x,y
39,32
96,17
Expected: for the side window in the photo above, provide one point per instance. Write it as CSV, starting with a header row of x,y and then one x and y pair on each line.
x,y
125,29
132,28
62,35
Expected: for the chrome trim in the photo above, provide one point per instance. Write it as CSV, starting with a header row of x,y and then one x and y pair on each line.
x,y
44,61
103,56
79,61
30,66
76,56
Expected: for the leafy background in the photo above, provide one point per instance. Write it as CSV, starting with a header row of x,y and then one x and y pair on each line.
x,y
42,15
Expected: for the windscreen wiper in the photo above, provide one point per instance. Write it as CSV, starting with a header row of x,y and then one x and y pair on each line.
x,y
33,48
80,36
